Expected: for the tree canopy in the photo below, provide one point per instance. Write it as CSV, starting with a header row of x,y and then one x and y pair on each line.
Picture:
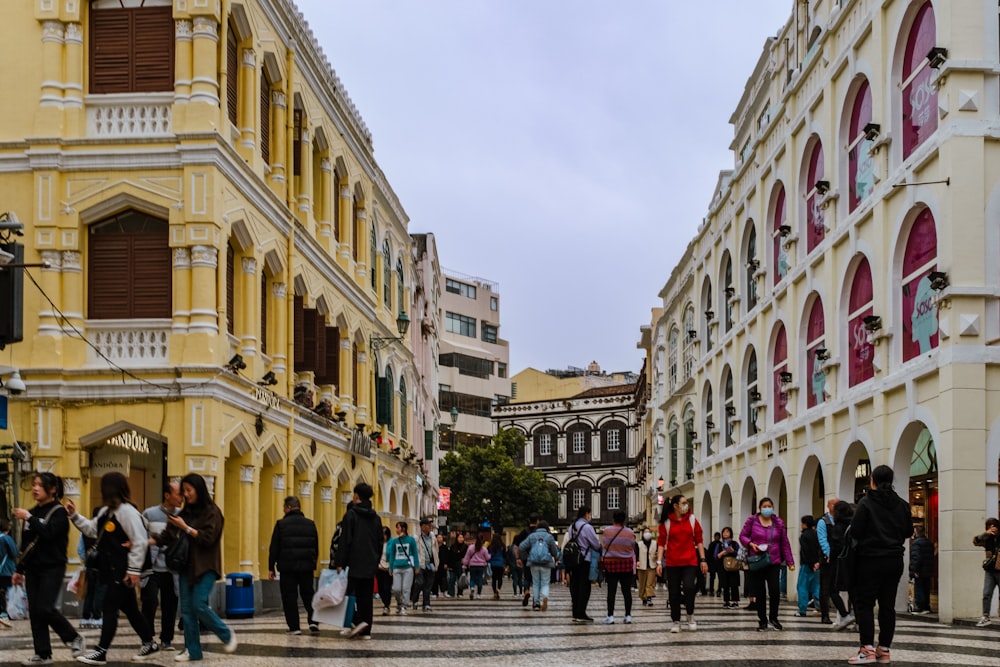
x,y
486,484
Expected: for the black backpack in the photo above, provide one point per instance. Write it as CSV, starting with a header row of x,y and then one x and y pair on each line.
x,y
572,554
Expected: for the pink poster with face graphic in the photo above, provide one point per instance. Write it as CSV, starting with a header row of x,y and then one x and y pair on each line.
x,y
815,221
814,341
780,366
920,97
919,316
861,365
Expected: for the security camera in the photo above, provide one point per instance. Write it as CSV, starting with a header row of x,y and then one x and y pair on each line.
x,y
15,385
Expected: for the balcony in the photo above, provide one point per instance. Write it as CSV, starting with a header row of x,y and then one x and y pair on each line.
x,y
129,342
126,116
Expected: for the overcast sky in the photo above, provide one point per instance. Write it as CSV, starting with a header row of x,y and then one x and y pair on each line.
x,y
565,149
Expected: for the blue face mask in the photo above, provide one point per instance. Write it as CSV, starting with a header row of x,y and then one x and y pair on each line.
x,y
766,512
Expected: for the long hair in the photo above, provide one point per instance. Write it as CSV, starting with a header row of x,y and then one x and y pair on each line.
x,y
52,484
668,507
882,478
479,543
115,490
386,534
202,497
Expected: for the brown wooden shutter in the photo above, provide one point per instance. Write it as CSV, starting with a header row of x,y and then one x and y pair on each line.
x,y
265,120
107,294
333,357
153,49
232,74
299,339
263,313
309,329
110,51
230,288
151,282
320,346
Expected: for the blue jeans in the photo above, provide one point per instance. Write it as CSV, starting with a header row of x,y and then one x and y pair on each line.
x,y
540,575
195,610
515,580
476,573
808,587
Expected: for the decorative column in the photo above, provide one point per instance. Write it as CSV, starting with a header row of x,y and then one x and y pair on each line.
x,y
327,189
249,103
204,80
48,322
305,180
247,528
204,306
183,70
364,389
182,290
48,119
279,111
251,313
75,120
361,270
72,287
346,371
346,231
279,361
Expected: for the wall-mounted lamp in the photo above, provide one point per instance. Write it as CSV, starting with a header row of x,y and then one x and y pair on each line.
x,y
14,385
692,334
754,396
709,315
454,416
822,187
872,130
730,292
268,379
873,323
730,410
692,436
937,56
939,280
258,425
785,377
785,230
753,264
341,416
402,326
709,424
822,353
236,364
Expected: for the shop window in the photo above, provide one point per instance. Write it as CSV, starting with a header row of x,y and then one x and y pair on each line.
x,y
920,96
815,354
129,268
860,166
131,46
815,220
920,314
861,359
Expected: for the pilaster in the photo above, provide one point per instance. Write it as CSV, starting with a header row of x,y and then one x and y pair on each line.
x,y
279,360
305,179
204,305
250,312
204,111
48,118
73,115
326,210
183,72
279,111
248,102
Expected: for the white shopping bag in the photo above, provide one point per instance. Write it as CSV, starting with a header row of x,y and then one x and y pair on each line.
x,y
331,589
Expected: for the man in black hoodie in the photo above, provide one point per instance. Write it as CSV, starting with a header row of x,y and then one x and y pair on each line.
x,y
359,550
881,526
293,552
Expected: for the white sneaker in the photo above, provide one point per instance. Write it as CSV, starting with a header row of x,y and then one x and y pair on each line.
x,y
230,646
183,656
628,620
983,622
692,625
609,620
676,627
843,621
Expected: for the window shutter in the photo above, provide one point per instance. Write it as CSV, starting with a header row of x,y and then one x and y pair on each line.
x,y
152,273
230,288
265,120
383,400
232,75
428,445
107,294
309,326
320,356
110,51
332,335
153,49
263,313
299,340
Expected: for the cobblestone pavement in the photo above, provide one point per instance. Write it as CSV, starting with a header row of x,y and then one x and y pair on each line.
x,y
503,632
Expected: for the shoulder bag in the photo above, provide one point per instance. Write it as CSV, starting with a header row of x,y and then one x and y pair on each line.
x,y
178,553
27,554
761,559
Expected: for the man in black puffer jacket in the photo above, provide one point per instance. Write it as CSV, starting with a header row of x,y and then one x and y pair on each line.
x,y
294,550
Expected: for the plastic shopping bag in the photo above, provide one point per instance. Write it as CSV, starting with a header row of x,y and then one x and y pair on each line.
x,y
463,582
17,603
73,585
331,589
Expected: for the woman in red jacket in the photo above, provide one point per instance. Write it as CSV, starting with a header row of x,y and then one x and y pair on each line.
x,y
681,547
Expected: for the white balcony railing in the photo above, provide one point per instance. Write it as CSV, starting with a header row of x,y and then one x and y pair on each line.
x,y
129,342
114,116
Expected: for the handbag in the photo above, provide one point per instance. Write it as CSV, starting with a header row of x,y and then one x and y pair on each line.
x,y
178,554
992,563
731,564
758,561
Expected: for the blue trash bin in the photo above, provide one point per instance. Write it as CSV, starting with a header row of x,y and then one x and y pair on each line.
x,y
239,595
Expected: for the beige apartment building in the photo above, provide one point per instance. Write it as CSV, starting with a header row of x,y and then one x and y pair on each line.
x,y
473,369
839,307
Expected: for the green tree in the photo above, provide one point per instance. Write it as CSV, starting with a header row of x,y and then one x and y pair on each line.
x,y
486,483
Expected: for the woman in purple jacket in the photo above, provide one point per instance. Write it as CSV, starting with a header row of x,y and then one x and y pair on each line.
x,y
764,532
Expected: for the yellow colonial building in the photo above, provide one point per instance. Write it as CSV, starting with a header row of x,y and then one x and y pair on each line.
x,y
838,308
227,271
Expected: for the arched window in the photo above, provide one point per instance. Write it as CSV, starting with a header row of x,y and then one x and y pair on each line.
x,y
578,444
753,264
779,368
545,445
709,314
374,259
860,166
390,412
920,97
386,275
815,336
689,436
779,256
691,334
336,205
729,407
358,231
920,314
673,431
129,268
403,403
753,395
728,291
815,223
672,344
710,424
862,353
400,286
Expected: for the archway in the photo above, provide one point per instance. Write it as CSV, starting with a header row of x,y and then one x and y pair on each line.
x,y
857,468
748,503
726,508
812,489
706,516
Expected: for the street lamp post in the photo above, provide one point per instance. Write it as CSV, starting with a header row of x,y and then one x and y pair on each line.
x,y
454,423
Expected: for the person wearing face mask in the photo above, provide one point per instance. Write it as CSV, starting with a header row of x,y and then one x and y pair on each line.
x,y
765,533
646,566
729,581
681,548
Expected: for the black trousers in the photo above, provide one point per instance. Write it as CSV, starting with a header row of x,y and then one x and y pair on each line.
x,y
729,584
42,588
363,590
877,581
828,592
579,588
684,576
122,598
384,587
292,584
159,589
612,579
764,585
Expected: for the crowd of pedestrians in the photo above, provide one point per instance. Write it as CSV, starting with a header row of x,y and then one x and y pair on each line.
x,y
855,550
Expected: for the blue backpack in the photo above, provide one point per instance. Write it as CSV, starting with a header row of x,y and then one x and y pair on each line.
x,y
540,553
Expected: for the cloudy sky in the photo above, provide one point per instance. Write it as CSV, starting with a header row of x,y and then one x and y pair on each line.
x,y
565,149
